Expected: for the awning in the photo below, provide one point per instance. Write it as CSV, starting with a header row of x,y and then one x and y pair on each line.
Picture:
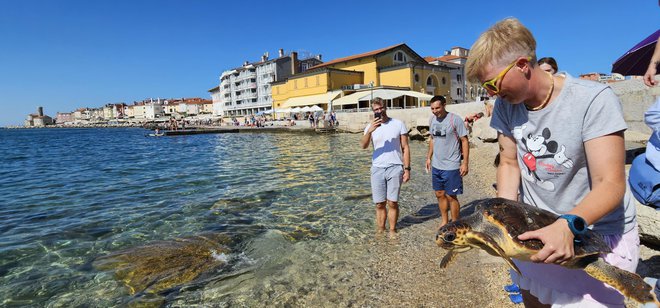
x,y
382,93
309,100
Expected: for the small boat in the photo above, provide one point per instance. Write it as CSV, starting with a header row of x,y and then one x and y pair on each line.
x,y
157,135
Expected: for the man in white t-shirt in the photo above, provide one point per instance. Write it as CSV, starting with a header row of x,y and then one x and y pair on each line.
x,y
390,163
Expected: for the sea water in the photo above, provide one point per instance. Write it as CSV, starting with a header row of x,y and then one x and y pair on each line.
x,y
297,207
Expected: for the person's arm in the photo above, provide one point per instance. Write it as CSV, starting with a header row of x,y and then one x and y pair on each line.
x,y
406,157
364,141
649,79
429,155
508,171
465,149
605,160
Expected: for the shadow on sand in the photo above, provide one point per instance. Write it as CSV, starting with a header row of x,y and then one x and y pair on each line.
x,y
431,211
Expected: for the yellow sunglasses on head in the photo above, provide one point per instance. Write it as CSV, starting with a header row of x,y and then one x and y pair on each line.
x,y
491,85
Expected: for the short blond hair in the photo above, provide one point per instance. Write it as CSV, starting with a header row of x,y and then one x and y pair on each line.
x,y
500,45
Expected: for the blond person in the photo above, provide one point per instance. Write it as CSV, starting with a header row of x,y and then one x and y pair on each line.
x,y
390,165
561,142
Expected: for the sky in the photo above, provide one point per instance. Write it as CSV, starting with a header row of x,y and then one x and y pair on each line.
x,y
68,54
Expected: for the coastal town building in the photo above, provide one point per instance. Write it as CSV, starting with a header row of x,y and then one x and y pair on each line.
x,y
114,111
395,73
129,111
247,89
218,106
462,90
64,118
38,119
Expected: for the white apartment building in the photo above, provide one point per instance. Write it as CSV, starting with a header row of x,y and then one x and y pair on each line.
x,y
247,90
218,106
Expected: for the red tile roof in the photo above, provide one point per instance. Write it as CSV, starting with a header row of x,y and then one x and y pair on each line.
x,y
358,56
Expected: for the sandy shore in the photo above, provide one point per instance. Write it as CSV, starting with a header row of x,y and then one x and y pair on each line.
x,y
406,271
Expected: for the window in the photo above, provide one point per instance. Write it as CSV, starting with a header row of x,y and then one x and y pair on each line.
x,y
416,78
444,81
458,91
458,77
429,81
399,57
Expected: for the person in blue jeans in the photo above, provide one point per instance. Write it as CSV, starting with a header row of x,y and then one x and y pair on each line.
x,y
447,157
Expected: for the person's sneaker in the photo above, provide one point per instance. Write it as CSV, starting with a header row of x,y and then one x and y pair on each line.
x,y
516,298
512,288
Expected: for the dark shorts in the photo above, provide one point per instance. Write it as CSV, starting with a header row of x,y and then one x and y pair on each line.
x,y
450,181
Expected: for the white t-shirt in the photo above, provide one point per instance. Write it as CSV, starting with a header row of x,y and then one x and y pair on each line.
x,y
386,140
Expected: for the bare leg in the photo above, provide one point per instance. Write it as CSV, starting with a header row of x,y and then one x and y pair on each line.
x,y
381,215
531,301
443,204
454,207
393,214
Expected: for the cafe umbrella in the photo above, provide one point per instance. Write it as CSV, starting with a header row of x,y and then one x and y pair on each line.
x,y
636,60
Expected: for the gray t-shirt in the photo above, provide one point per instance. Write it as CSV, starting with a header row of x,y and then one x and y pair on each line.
x,y
446,144
550,146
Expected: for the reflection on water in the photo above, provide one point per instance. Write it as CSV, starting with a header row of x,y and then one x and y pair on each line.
x,y
295,207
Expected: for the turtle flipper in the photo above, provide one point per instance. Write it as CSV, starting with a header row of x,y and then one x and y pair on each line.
x,y
449,257
629,284
487,243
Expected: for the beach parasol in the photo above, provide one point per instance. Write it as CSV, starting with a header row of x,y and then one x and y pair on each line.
x,y
636,60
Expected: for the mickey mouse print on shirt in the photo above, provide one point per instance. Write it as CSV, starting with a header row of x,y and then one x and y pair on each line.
x,y
541,152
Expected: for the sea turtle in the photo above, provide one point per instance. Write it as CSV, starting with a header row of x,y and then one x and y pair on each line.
x,y
495,225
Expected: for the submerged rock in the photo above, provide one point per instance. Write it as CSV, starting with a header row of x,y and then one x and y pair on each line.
x,y
162,265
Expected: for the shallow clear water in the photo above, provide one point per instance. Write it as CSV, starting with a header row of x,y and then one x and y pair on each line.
x,y
296,206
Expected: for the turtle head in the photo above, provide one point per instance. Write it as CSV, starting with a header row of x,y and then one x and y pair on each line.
x,y
452,236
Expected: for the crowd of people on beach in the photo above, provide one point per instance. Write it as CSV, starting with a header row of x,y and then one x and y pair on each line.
x,y
575,171
329,119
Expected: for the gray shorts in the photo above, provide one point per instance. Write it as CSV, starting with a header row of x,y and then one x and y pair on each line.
x,y
386,183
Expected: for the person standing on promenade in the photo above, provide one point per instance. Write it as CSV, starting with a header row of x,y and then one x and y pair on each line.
x,y
390,163
447,143
649,77
311,120
561,141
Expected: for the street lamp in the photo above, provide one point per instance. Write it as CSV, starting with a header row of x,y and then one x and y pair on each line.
x,y
371,85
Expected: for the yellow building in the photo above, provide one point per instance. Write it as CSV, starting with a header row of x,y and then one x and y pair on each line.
x,y
407,78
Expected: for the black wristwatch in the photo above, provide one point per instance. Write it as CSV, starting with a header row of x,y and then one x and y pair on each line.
x,y
577,225
407,168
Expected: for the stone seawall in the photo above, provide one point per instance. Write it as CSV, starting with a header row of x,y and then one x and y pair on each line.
x,y
357,121
636,98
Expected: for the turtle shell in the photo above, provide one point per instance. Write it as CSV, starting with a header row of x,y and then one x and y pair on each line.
x,y
514,218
